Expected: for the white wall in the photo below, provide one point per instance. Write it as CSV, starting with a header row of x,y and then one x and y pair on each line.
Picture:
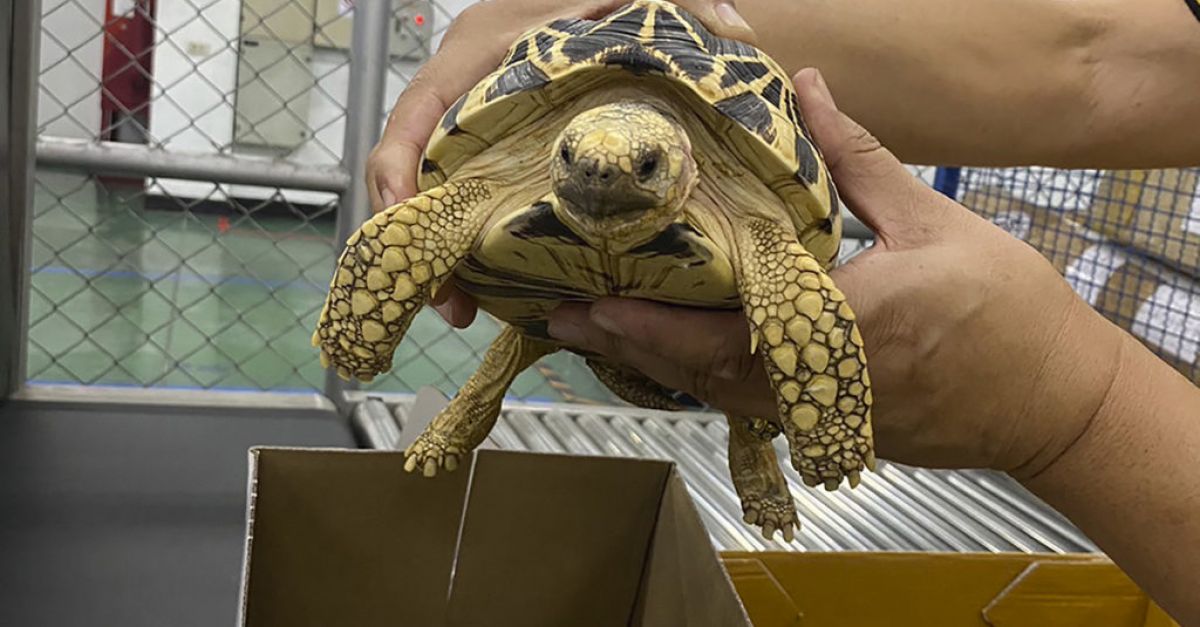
x,y
69,96
195,110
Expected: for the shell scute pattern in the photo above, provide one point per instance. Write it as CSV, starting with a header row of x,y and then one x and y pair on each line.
x,y
650,38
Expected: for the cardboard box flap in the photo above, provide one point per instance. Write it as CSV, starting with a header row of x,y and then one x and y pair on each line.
x,y
685,585
766,600
347,538
554,540
854,589
1074,593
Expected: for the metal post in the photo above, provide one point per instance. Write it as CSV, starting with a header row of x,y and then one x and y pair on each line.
x,y
117,158
364,121
19,36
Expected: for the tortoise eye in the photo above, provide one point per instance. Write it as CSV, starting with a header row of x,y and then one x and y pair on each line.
x,y
565,153
647,167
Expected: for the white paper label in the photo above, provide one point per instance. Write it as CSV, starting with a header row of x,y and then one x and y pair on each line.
x,y
1017,223
1171,321
1088,273
1192,224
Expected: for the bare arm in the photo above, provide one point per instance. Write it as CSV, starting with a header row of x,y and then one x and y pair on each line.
x,y
980,356
1131,481
1083,83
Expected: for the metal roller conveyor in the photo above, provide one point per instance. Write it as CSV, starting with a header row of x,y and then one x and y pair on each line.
x,y
897,508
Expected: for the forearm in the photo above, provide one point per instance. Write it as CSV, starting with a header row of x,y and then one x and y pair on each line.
x,y
1132,484
1087,83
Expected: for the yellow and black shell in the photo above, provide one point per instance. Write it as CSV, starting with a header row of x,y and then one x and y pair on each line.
x,y
738,87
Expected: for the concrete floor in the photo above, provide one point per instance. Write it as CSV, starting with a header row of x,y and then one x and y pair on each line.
x,y
127,293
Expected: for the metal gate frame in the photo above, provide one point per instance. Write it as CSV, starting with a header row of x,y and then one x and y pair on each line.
x,y
19,20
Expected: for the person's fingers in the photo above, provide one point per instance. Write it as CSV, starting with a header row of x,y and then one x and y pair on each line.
x,y
721,17
875,185
742,388
454,305
393,165
717,342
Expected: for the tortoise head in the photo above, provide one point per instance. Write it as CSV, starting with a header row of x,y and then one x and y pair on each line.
x,y
622,172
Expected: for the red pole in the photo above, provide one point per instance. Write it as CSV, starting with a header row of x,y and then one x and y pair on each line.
x,y
126,75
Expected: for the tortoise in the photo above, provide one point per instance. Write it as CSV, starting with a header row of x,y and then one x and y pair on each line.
x,y
637,155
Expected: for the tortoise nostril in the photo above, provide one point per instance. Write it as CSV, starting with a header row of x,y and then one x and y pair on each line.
x,y
606,176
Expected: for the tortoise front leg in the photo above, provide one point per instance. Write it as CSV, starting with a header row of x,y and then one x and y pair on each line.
x,y
464,423
813,352
757,478
388,270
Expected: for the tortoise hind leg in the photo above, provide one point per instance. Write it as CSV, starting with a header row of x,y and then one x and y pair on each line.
x,y
813,353
634,387
464,423
388,270
757,478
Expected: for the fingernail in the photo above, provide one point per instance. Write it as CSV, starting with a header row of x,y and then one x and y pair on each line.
x,y
822,87
389,198
730,16
607,323
565,332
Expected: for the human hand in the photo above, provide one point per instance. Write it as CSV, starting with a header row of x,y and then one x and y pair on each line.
x,y
472,47
979,352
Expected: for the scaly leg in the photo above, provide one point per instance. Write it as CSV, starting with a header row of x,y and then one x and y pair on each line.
x,y
464,423
388,270
766,500
634,387
813,354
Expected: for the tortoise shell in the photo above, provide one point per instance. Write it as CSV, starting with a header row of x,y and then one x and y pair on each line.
x,y
743,93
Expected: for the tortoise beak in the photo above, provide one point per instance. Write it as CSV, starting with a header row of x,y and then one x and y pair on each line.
x,y
603,191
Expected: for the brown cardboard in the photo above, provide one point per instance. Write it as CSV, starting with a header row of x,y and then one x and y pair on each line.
x,y
921,589
1148,210
339,537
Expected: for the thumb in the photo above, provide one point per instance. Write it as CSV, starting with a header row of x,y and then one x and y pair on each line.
x,y
875,186
722,18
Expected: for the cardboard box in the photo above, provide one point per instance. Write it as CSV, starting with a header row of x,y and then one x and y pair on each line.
x,y
934,589
340,537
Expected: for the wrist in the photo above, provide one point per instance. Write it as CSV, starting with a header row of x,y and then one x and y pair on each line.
x,y
1085,438
1077,386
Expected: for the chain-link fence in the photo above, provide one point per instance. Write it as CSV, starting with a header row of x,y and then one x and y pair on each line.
x,y
1127,241
191,281
194,160
157,281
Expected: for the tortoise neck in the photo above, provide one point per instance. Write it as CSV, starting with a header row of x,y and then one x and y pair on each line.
x,y
618,232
